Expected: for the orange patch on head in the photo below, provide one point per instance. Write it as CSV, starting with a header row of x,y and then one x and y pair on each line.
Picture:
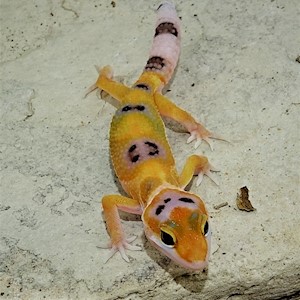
x,y
153,223
191,244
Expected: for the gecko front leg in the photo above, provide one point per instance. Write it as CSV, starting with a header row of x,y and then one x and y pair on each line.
x,y
196,165
118,242
197,131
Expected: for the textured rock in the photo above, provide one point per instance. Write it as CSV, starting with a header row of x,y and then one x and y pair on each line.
x,y
237,73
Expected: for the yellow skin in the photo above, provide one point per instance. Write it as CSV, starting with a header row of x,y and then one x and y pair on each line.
x,y
175,221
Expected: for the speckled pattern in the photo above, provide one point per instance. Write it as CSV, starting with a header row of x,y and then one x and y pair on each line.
x,y
238,73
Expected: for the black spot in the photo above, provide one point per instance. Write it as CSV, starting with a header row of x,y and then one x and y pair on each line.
x,y
155,62
132,148
137,107
159,209
142,86
153,153
126,108
151,145
155,148
166,27
186,200
167,200
135,158
140,107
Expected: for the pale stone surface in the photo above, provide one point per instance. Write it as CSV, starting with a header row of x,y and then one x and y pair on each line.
x,y
237,73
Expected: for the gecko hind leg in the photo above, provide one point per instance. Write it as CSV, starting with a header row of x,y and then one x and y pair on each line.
x,y
106,71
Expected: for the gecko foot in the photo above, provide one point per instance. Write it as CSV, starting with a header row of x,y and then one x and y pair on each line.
x,y
201,133
206,169
120,247
107,72
208,173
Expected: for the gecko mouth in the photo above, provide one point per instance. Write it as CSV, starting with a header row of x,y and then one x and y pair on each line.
x,y
171,253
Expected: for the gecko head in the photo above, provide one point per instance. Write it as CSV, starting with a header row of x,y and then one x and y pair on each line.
x,y
176,223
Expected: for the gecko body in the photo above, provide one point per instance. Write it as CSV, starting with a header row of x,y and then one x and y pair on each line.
x,y
175,221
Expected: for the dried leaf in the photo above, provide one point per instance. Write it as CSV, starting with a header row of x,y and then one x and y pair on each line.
x,y
242,200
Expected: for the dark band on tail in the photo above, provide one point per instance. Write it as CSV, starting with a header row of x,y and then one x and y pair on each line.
x,y
155,63
164,51
166,27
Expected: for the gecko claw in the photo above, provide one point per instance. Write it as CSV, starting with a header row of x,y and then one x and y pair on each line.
x,y
199,178
191,138
209,143
198,143
207,170
89,90
120,247
98,68
208,174
106,71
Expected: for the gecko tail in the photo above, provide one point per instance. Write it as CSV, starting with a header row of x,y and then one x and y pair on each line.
x,y
165,50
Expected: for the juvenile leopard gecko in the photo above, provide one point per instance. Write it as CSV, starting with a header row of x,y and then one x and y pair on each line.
x,y
176,221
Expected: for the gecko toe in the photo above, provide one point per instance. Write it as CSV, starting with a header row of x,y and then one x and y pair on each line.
x,y
198,143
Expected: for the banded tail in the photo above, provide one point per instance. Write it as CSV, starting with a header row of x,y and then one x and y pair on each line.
x,y
165,50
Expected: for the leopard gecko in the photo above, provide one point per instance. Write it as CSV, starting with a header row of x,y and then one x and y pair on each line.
x,y
175,221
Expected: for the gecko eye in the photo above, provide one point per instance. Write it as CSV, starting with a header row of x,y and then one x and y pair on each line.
x,y
205,228
167,237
